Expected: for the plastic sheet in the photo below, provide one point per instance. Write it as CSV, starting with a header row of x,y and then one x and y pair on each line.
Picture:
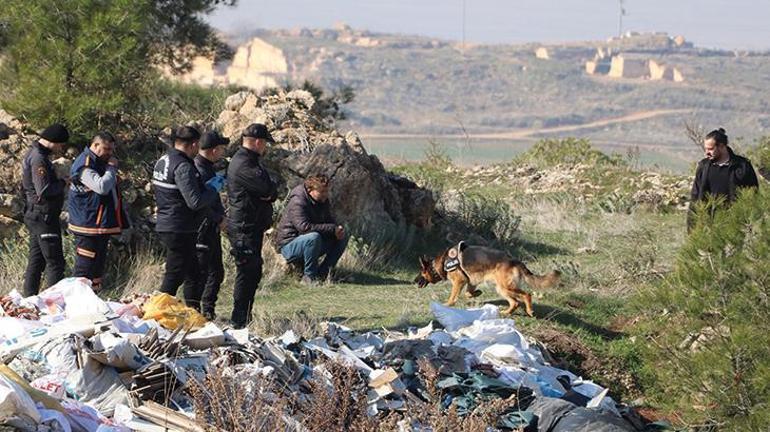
x,y
171,313
454,319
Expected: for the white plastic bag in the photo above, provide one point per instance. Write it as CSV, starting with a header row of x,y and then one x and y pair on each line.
x,y
98,385
15,402
73,296
504,354
84,418
54,420
483,334
13,328
207,337
454,319
113,350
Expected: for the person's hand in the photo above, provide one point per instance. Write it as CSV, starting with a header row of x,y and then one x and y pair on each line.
x,y
339,232
217,183
113,161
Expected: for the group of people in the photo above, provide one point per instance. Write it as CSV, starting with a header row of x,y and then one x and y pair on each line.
x,y
190,216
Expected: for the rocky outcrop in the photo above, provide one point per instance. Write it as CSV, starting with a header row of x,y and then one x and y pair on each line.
x,y
256,65
290,116
364,193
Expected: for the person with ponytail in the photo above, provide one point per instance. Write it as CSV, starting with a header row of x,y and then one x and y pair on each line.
x,y
721,174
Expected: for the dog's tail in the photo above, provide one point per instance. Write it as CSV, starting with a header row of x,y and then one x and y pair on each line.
x,y
537,282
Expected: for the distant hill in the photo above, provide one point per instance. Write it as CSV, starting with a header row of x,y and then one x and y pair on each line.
x,y
409,86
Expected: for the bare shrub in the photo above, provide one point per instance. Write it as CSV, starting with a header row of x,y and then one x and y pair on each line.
x,y
221,403
338,402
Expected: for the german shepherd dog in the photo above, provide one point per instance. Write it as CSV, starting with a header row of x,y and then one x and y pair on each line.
x,y
468,266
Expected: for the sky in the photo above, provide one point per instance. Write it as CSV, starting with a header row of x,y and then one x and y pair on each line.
x,y
726,24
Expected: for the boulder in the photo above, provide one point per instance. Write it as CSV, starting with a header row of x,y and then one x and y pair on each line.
x,y
363,193
11,206
9,227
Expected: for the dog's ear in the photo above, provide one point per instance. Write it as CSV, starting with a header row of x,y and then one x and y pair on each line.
x,y
423,262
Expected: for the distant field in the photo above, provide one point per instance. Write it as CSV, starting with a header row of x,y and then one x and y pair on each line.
x,y
471,152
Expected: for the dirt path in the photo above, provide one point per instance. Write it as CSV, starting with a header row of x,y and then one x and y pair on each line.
x,y
526,133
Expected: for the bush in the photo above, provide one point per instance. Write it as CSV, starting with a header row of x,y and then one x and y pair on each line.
x,y
760,156
481,219
707,322
570,151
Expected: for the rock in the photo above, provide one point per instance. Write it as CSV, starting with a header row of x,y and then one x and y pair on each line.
x,y
231,123
9,227
12,150
235,102
302,96
288,116
11,206
12,123
363,193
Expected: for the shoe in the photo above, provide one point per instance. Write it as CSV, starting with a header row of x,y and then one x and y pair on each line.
x,y
308,281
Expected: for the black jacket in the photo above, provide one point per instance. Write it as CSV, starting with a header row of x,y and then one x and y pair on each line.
x,y
216,211
43,191
303,215
741,175
180,195
250,195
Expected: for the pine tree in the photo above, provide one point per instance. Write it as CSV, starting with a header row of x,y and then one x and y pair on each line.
x,y
708,326
85,62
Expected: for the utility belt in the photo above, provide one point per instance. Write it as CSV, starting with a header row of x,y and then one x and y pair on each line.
x,y
39,213
246,246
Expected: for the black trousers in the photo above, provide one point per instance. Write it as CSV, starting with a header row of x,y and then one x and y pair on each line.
x,y
45,252
91,257
247,251
212,272
181,267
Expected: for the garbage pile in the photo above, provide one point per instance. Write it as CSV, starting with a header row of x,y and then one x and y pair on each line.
x,y
84,364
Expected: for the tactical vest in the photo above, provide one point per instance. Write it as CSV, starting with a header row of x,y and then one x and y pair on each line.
x,y
173,214
89,212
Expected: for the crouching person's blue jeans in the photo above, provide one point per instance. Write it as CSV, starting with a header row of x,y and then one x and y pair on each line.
x,y
309,247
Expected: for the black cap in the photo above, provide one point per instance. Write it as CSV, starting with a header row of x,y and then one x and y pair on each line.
x,y
258,130
56,133
212,139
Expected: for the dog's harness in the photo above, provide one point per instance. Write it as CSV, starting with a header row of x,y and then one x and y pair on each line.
x,y
453,261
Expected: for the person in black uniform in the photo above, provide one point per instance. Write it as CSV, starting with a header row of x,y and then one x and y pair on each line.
x,y
44,199
209,242
722,173
251,193
182,198
95,207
